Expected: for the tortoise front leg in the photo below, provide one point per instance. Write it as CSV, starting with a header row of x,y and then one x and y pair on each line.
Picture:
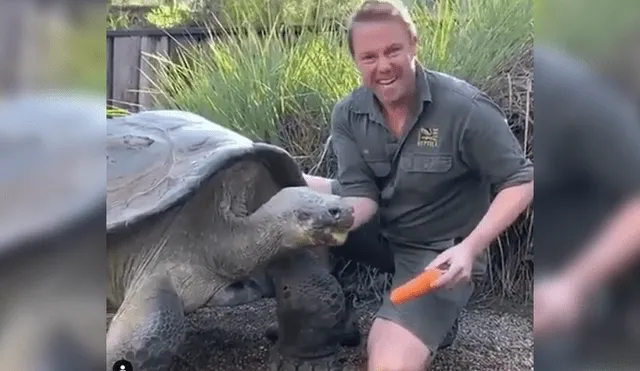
x,y
312,319
148,327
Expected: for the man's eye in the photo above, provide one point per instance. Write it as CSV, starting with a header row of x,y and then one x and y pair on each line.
x,y
394,51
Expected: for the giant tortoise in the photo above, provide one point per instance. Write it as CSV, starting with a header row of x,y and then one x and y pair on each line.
x,y
193,211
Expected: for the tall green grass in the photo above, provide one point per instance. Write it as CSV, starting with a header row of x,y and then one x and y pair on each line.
x,y
254,82
282,89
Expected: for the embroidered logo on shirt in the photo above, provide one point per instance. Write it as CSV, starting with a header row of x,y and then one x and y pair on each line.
x,y
428,137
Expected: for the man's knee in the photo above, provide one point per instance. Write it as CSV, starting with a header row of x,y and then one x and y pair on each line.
x,y
392,358
394,363
393,348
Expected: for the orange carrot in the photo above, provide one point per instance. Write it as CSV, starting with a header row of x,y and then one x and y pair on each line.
x,y
418,286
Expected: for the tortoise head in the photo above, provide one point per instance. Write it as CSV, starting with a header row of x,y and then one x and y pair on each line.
x,y
309,218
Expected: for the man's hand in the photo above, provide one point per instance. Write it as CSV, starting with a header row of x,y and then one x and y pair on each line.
x,y
558,306
457,264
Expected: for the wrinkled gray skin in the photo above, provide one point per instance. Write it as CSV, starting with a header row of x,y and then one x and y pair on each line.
x,y
194,211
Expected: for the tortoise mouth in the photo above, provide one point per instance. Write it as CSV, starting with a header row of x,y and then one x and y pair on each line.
x,y
333,236
332,226
339,238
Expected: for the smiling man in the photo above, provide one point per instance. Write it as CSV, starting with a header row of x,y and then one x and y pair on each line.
x,y
420,151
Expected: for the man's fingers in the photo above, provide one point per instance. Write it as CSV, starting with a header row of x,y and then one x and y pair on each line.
x,y
439,262
456,279
446,277
466,276
434,264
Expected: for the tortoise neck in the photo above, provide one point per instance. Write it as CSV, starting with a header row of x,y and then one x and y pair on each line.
x,y
255,239
265,229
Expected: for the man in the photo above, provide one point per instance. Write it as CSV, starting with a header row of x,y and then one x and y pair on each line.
x,y
421,150
588,199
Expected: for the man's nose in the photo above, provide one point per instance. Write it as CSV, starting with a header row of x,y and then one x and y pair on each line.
x,y
384,65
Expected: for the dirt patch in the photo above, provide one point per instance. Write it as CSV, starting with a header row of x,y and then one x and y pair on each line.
x,y
231,339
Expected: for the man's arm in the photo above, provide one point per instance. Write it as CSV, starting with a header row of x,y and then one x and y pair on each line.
x,y
364,207
318,183
606,151
611,252
490,148
354,176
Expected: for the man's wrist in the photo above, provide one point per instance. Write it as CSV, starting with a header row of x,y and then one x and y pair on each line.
x,y
477,242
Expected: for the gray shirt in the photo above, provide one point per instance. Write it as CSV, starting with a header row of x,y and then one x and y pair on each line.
x,y
435,182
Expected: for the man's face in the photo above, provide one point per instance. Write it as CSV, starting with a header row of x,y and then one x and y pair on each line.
x,y
384,52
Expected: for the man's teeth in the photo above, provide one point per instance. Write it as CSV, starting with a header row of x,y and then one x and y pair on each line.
x,y
387,82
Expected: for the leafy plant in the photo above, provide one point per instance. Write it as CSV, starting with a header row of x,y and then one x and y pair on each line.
x,y
113,111
167,16
253,82
118,20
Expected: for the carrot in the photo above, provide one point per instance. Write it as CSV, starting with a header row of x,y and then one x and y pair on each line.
x,y
416,287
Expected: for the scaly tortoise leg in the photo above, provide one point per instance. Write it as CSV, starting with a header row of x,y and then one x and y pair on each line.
x,y
349,335
311,314
148,327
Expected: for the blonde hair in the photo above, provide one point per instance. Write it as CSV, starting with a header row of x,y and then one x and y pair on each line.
x,y
380,10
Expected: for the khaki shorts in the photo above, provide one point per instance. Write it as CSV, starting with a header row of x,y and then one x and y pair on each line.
x,y
430,316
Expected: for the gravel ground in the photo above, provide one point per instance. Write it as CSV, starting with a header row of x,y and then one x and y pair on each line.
x,y
225,339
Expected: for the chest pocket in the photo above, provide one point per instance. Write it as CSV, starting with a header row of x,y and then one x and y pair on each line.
x,y
426,163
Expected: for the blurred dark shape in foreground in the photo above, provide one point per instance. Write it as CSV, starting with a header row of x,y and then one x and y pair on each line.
x,y
587,277
52,185
52,245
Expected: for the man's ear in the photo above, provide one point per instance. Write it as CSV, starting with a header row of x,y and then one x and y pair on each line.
x,y
414,45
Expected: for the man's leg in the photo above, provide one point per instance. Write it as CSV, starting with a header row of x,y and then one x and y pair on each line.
x,y
391,347
407,336
558,351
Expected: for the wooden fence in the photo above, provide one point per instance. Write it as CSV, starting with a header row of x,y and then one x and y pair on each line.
x,y
129,69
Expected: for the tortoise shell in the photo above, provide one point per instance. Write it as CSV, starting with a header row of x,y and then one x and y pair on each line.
x,y
156,159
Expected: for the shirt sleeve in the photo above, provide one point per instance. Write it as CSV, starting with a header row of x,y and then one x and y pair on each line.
x,y
355,178
606,145
490,148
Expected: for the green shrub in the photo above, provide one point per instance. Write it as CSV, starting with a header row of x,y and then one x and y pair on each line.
x,y
118,20
252,83
292,12
167,16
282,89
